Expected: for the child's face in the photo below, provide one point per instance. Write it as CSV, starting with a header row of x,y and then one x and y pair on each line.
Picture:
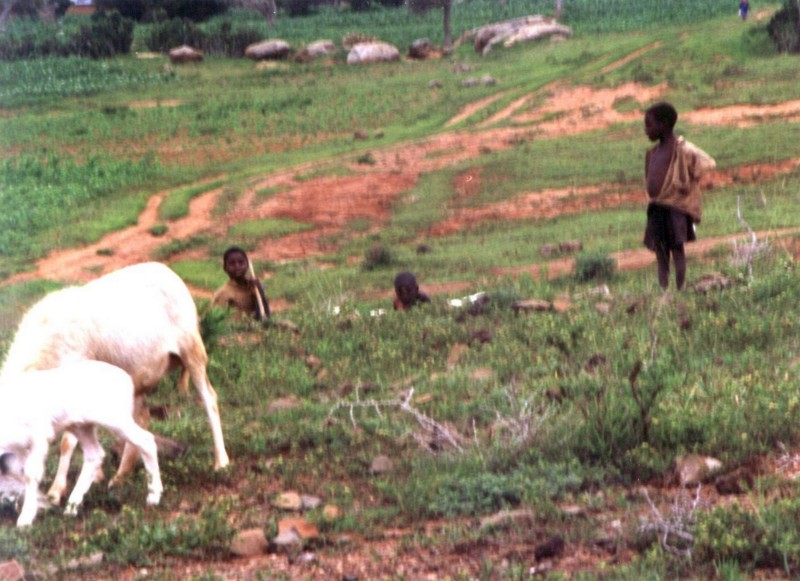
x,y
407,294
236,265
653,127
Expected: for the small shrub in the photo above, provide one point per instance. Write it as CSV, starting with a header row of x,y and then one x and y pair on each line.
x,y
784,28
378,257
158,229
594,266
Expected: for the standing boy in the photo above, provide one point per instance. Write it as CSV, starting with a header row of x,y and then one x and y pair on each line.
x,y
243,291
672,175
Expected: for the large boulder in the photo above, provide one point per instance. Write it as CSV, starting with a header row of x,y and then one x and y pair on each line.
x,y
510,32
315,50
422,49
273,49
372,52
185,54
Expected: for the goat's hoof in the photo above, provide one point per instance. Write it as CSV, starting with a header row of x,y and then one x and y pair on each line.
x,y
114,481
71,510
153,499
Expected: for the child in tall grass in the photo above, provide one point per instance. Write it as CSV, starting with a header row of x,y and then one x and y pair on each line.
x,y
407,293
672,175
243,291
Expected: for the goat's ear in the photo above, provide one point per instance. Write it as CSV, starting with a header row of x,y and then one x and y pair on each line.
x,y
5,463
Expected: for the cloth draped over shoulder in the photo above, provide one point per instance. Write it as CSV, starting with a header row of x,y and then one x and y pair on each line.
x,y
681,189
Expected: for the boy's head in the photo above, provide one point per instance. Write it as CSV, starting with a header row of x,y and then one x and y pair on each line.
x,y
660,119
406,288
235,262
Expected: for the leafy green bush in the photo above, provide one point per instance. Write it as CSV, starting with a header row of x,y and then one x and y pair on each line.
x,y
594,266
108,34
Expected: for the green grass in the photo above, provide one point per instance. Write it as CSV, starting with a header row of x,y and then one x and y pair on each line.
x,y
551,408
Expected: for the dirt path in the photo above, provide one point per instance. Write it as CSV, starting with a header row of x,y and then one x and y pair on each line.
x,y
329,203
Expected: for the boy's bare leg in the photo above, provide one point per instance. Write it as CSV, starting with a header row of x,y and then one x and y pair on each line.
x,y
679,257
662,258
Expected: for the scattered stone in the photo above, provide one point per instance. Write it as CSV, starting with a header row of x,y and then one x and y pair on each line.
x,y
372,52
303,528
249,543
600,290
532,305
310,502
470,82
360,135
422,49
456,353
712,281
462,68
288,501
381,465
11,571
288,541
313,362
185,54
272,49
306,558
693,469
562,304
288,326
482,374
488,81
435,84
603,307
331,512
507,518
551,548
282,404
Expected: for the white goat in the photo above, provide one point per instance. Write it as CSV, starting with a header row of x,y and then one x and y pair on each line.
x,y
140,318
38,405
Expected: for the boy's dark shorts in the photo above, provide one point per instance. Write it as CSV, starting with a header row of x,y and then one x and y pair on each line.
x,y
667,228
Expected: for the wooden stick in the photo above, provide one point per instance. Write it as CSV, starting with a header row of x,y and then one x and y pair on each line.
x,y
261,312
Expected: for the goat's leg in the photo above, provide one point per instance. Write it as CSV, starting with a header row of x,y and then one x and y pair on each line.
x,y
33,473
145,443
130,454
195,360
93,455
59,486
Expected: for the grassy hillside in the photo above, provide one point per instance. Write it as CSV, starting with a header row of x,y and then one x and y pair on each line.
x,y
563,413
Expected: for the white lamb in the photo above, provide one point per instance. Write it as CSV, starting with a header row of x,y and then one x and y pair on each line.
x,y
142,319
38,405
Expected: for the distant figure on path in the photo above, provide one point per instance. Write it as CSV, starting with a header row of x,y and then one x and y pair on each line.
x,y
243,291
744,8
407,293
672,176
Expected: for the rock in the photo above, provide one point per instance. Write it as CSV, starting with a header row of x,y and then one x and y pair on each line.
x,y
185,54
422,49
249,543
488,81
310,502
435,84
532,305
372,52
511,32
283,404
692,469
288,541
272,49
331,512
288,501
712,281
304,529
11,571
381,465
456,353
315,50
506,518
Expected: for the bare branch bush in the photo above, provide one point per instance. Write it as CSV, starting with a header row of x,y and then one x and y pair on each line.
x,y
745,254
673,530
518,427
